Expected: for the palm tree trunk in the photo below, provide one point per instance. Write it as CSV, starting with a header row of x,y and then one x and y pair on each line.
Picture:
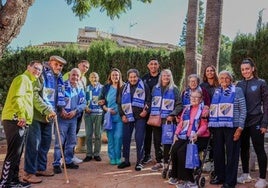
x,y
191,38
212,34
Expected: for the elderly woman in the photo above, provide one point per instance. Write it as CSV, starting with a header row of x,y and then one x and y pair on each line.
x,y
227,119
194,84
191,127
134,103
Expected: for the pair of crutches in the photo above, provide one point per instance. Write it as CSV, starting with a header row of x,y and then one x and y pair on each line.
x,y
61,150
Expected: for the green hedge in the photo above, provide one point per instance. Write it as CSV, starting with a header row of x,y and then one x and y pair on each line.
x,y
102,55
254,46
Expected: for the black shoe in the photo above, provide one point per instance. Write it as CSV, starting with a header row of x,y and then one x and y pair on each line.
x,y
138,167
97,158
227,186
146,159
57,169
20,184
72,166
123,165
87,159
216,181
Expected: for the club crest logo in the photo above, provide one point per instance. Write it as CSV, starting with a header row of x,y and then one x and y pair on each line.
x,y
225,109
156,101
212,110
139,92
126,108
253,88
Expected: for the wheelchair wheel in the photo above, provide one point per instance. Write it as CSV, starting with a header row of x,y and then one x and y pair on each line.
x,y
212,175
201,182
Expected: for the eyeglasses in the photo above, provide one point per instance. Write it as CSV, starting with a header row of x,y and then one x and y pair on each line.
x,y
37,68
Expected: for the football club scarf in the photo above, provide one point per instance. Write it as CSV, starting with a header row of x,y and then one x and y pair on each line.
x,y
162,104
221,108
53,89
186,120
138,99
92,96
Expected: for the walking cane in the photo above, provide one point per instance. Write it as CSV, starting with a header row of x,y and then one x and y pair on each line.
x,y
61,150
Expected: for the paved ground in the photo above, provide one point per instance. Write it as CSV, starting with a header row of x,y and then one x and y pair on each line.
x,y
103,175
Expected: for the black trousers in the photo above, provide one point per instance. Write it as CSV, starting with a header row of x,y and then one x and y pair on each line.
x,y
257,139
157,136
148,140
15,137
226,155
178,158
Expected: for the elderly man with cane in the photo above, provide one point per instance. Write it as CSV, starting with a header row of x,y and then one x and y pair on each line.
x,y
48,97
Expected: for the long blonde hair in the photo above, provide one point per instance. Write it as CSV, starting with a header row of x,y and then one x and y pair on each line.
x,y
171,84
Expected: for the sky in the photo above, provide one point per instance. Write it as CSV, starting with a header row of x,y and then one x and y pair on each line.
x,y
160,21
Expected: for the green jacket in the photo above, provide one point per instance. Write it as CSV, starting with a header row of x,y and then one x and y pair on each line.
x,y
19,101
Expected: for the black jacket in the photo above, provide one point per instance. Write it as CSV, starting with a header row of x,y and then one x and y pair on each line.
x,y
256,95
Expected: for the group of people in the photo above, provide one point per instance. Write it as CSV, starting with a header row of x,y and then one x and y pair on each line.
x,y
216,111
38,99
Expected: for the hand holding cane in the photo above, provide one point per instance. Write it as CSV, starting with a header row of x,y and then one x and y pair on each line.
x,y
61,150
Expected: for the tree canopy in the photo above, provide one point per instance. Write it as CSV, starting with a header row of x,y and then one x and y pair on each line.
x,y
13,14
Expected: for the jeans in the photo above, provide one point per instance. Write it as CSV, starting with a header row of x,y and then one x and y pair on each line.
x,y
15,136
67,129
37,146
93,124
139,125
115,140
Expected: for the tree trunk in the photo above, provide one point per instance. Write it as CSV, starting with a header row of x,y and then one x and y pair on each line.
x,y
12,17
212,34
191,38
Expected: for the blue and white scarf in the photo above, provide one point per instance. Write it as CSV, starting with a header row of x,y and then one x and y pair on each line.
x,y
186,120
53,88
222,107
92,97
74,96
162,104
138,99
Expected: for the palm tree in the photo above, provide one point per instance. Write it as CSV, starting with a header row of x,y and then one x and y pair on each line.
x,y
191,38
212,34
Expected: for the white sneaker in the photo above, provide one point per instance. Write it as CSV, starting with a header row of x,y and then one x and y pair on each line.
x,y
157,167
76,160
189,184
261,183
244,178
173,181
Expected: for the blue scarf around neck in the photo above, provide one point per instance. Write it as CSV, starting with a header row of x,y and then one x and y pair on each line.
x,y
222,107
137,100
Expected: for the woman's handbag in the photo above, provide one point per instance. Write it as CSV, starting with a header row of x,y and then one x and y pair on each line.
x,y
107,122
192,157
168,130
154,120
